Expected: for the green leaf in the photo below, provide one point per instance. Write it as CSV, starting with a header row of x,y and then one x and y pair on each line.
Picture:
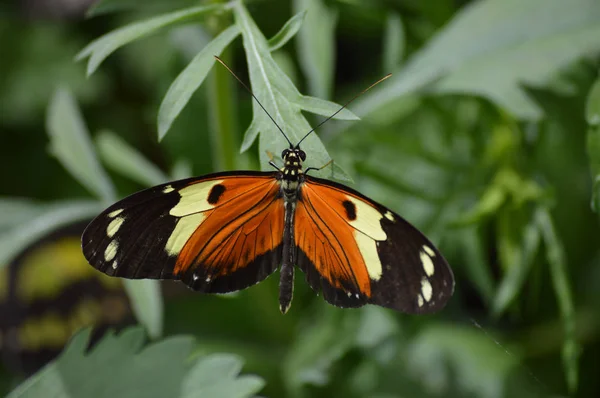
x,y
476,53
445,355
71,145
592,116
99,49
190,79
592,107
16,211
516,275
109,6
280,97
181,169
555,253
217,376
51,217
119,156
322,342
288,31
118,366
393,42
323,107
316,46
147,304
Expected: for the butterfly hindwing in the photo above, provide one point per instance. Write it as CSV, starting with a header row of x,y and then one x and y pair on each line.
x,y
356,252
218,233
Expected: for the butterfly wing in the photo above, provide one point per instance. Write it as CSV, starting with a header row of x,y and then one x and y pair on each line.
x,y
356,252
217,233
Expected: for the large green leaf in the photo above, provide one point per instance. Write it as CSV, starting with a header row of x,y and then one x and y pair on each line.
x,y
492,47
70,143
191,78
119,156
118,366
99,49
282,100
316,45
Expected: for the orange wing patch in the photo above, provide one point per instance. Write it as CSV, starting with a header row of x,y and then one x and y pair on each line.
x,y
338,234
239,220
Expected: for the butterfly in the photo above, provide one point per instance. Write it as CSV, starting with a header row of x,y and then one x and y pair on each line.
x,y
226,231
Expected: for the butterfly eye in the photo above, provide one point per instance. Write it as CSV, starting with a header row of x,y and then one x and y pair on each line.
x,y
302,155
285,153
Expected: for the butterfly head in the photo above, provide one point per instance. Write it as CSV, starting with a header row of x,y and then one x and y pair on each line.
x,y
292,163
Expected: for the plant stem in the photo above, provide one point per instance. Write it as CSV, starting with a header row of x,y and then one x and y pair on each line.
x,y
221,103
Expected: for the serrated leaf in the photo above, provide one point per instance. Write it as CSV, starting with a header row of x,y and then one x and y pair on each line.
x,y
316,46
190,79
120,366
70,143
99,49
147,304
393,42
288,31
216,376
119,156
475,53
51,217
279,96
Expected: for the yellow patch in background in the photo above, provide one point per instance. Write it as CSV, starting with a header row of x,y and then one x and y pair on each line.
x,y
49,268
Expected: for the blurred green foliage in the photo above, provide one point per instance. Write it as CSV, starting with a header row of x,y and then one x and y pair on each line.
x,y
485,137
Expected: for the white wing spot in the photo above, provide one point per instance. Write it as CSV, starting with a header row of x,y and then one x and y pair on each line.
x,y
429,251
207,279
115,213
195,277
426,289
114,264
111,250
194,199
357,296
349,294
427,263
420,300
168,189
389,215
184,229
114,226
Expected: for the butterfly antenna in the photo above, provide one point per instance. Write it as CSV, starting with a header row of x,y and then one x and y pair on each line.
x,y
254,96
344,106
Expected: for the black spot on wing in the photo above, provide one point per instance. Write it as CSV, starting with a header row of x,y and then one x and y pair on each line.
x,y
215,193
350,210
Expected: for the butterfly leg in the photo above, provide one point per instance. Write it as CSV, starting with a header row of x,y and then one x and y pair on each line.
x,y
286,274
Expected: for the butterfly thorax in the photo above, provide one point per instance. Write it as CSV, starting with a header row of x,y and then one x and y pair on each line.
x,y
291,173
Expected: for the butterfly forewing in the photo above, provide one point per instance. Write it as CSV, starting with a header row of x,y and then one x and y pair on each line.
x,y
356,251
218,233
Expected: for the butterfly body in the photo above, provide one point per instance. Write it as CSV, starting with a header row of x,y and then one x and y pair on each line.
x,y
226,231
